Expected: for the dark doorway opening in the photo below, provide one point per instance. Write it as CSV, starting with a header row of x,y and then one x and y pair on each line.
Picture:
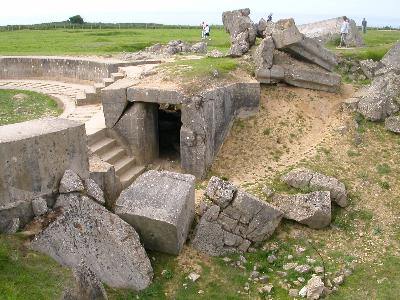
x,y
169,127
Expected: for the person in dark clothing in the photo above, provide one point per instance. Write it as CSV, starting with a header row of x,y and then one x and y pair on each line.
x,y
269,19
364,25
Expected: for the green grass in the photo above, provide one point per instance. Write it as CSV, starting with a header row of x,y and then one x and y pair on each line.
x,y
73,42
377,43
31,106
25,274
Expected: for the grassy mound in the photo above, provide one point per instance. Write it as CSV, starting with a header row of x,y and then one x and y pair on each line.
x,y
19,106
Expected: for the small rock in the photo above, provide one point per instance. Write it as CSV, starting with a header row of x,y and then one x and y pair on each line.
x,y
215,73
290,256
251,250
293,293
271,258
268,192
315,288
338,280
227,259
39,206
263,279
242,259
347,272
299,249
303,292
266,288
302,269
296,282
193,276
12,226
289,266
311,261
70,182
301,279
254,274
281,273
319,269
200,292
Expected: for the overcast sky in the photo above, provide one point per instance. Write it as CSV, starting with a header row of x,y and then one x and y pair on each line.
x,y
377,12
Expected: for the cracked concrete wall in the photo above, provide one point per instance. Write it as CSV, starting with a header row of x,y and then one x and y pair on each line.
x,y
57,68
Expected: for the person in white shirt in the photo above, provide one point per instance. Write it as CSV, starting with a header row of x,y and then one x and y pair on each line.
x,y
207,32
344,31
203,27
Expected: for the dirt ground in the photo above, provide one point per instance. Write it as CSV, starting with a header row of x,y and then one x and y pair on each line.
x,y
290,124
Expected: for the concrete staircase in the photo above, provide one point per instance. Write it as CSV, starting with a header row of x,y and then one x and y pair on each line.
x,y
109,150
93,95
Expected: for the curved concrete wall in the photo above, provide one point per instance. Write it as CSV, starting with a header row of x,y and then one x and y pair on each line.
x,y
58,68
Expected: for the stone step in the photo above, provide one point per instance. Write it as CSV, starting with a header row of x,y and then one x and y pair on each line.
x,y
124,165
130,175
99,86
113,155
90,98
108,81
96,136
103,146
117,76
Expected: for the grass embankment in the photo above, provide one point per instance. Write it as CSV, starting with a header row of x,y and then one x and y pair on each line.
x,y
25,274
86,42
19,106
377,43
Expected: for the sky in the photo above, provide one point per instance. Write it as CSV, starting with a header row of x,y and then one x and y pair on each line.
x,y
191,12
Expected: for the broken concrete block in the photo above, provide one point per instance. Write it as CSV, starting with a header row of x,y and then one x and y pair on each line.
x,y
237,220
86,232
71,182
393,124
272,75
221,192
94,191
381,99
39,206
313,209
369,67
10,228
264,54
307,179
285,33
392,57
160,206
314,52
241,29
21,210
66,200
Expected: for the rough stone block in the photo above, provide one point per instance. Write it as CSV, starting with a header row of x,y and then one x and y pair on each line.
x,y
70,182
94,191
285,33
160,206
221,192
264,54
272,75
393,124
39,206
392,57
87,232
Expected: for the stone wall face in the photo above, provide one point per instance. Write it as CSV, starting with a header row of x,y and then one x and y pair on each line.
x,y
56,68
35,154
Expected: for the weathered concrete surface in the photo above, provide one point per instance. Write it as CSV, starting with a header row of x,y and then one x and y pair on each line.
x,y
160,206
285,33
305,178
18,210
139,127
234,221
264,55
35,154
86,232
392,57
369,67
314,52
114,100
104,175
308,76
155,95
70,182
329,30
313,209
272,75
58,68
207,119
39,206
382,98
241,29
94,191
393,124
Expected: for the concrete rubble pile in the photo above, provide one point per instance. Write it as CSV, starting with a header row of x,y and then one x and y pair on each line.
x,y
284,54
381,99
234,221
82,232
312,209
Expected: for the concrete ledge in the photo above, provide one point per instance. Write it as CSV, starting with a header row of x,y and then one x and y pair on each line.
x,y
71,69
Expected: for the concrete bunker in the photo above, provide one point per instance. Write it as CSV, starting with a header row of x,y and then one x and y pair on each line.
x,y
159,123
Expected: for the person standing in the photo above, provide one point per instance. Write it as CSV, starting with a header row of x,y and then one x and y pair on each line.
x,y
344,31
203,27
207,32
364,25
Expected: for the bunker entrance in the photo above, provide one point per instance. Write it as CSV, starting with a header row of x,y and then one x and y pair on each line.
x,y
169,127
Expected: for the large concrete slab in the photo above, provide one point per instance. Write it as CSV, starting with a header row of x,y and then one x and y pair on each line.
x,y
35,154
160,206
